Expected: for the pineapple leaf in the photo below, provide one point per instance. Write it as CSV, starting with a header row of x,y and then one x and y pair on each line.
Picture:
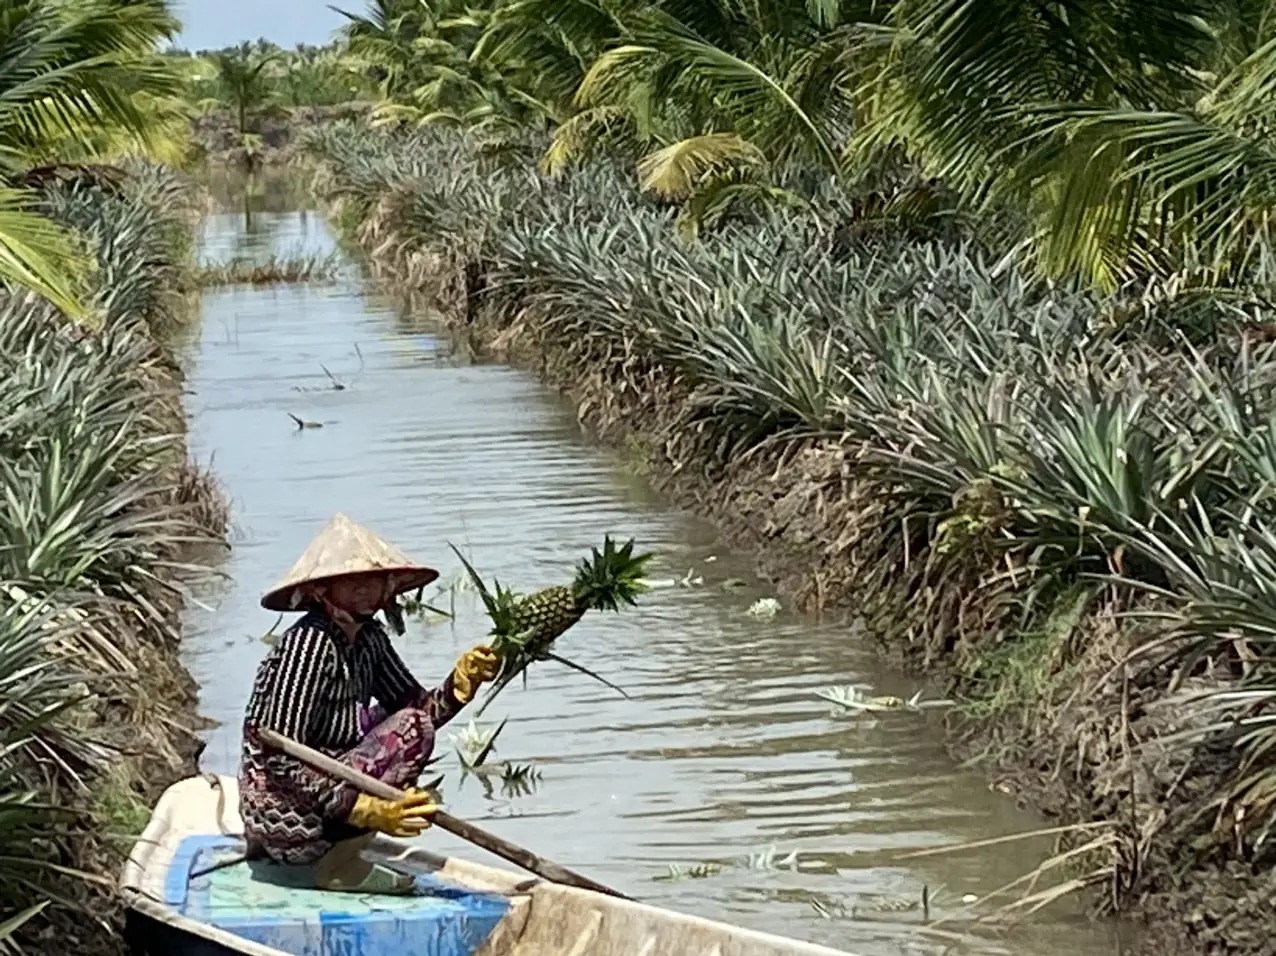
x,y
488,601
499,605
504,616
581,668
486,752
497,687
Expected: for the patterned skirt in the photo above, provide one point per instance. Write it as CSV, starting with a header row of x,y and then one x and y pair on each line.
x,y
395,750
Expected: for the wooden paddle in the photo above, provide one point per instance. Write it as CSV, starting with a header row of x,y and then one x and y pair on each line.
x,y
546,869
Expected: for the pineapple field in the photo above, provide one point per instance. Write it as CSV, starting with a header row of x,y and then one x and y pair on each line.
x,y
101,507
1060,501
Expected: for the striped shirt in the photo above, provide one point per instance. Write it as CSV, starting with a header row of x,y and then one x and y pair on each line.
x,y
311,688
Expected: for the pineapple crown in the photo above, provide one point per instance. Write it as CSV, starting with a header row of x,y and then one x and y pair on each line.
x,y
610,578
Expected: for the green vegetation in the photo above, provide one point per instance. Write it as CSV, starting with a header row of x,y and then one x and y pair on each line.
x,y
98,497
247,100
276,270
988,284
1102,141
80,82
988,466
99,503
262,78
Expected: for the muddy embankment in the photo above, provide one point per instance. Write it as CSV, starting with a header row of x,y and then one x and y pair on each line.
x,y
1002,580
106,518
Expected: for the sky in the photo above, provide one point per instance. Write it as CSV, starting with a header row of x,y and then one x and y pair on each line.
x,y
210,24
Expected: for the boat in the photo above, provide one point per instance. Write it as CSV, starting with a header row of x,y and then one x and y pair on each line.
x,y
188,896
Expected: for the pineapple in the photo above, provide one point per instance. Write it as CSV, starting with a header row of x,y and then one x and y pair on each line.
x,y
524,629
546,615
604,581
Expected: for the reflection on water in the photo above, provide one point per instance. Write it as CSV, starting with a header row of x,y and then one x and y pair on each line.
x,y
723,751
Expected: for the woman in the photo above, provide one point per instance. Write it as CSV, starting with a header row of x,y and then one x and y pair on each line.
x,y
316,686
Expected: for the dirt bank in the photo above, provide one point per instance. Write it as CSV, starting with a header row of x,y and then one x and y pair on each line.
x,y
1059,715
110,435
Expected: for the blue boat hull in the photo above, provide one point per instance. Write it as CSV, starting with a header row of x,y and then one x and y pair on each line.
x,y
277,907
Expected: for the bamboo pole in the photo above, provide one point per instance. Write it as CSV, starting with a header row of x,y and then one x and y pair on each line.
x,y
546,869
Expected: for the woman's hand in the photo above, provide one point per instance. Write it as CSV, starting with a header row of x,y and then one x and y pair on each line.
x,y
476,667
406,817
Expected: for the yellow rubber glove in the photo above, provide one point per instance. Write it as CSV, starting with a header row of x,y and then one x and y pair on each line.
x,y
476,667
401,818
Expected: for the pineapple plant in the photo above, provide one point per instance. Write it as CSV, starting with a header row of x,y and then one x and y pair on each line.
x,y
525,628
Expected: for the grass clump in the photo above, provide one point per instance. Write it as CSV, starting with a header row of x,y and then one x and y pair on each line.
x,y
1035,667
273,271
119,808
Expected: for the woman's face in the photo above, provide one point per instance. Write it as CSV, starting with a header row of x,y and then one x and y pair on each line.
x,y
361,594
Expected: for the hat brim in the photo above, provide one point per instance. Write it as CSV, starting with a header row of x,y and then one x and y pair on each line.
x,y
409,579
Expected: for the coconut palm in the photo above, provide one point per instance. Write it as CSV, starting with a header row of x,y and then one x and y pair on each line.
x,y
385,40
424,56
243,82
697,88
316,76
1133,138
779,75
78,82
1103,135
1184,189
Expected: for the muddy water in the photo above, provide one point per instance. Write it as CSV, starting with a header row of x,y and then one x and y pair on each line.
x,y
722,755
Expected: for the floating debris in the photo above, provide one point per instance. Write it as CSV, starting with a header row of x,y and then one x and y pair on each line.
x,y
698,872
851,697
656,584
691,579
334,383
893,904
474,745
768,859
271,637
765,607
878,904
422,609
519,780
302,423
275,271
828,909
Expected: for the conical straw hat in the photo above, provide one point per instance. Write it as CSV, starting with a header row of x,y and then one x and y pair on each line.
x,y
345,547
